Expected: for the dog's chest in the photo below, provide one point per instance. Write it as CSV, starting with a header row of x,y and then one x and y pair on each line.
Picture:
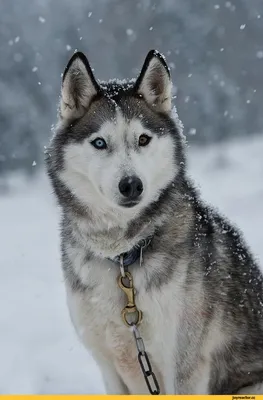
x,y
96,314
97,310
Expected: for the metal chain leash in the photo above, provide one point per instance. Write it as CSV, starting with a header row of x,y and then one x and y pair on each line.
x,y
145,364
132,317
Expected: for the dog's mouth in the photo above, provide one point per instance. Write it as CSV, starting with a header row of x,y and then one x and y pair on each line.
x,y
129,204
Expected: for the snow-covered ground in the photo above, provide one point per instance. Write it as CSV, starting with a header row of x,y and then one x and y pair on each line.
x,y
39,351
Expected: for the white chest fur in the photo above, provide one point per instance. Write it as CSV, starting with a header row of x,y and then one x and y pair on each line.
x,y
96,315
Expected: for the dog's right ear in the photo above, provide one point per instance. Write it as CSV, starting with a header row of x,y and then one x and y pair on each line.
x,y
78,87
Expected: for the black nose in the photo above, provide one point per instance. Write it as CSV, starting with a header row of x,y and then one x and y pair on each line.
x,y
131,187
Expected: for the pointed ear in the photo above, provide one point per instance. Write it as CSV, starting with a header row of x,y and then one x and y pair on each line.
x,y
78,87
154,82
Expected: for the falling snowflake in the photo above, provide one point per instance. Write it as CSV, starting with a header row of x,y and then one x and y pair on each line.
x,y
259,54
242,27
42,20
129,32
192,131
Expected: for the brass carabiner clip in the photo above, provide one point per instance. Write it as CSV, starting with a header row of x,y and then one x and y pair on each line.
x,y
131,306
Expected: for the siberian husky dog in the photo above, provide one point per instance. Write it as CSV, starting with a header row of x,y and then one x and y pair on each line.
x,y
118,170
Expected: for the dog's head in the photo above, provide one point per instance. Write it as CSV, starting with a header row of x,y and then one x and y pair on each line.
x,y
117,144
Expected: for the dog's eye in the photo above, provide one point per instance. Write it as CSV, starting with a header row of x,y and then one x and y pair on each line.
x,y
99,144
144,140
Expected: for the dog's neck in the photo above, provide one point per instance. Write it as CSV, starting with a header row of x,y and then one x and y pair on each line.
x,y
110,242
109,237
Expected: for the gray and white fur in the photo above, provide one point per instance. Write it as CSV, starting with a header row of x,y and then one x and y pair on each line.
x,y
118,170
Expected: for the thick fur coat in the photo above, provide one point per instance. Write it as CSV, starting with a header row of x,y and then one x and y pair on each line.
x,y
118,170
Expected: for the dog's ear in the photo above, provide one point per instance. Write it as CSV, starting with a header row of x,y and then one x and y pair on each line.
x,y
78,87
154,82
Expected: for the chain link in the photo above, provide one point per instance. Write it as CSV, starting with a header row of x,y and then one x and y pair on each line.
x,y
122,269
145,364
125,282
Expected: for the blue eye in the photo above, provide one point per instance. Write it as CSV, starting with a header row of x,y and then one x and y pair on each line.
x,y
99,144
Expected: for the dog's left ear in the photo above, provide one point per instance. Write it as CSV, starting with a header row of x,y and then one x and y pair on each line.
x,y
154,82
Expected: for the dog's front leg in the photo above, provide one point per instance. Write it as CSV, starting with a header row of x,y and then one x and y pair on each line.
x,y
193,380
112,381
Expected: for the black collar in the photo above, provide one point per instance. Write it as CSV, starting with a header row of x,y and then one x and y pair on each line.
x,y
131,256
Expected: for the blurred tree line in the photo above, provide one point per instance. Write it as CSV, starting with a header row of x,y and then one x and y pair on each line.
x,y
214,50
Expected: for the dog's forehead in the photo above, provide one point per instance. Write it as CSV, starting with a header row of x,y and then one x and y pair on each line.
x,y
130,111
106,115
123,127
121,114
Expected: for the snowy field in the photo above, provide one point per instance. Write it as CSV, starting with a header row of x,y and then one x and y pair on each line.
x,y
39,351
